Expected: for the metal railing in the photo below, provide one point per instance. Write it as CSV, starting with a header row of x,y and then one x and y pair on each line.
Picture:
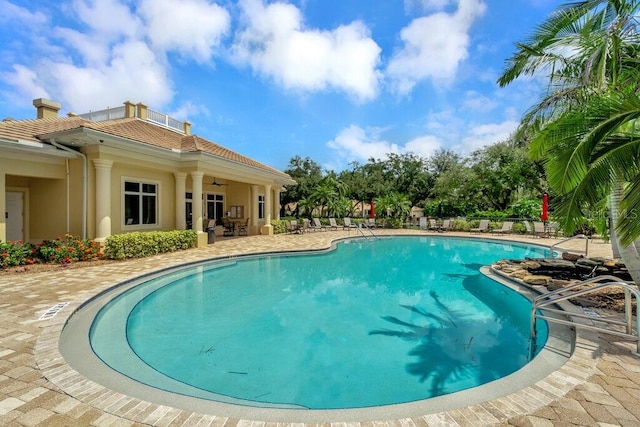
x,y
366,226
577,236
544,301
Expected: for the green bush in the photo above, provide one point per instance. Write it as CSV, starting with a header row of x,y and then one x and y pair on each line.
x,y
279,226
393,222
144,244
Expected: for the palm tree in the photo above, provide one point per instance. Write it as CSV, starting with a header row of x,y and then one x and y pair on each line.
x,y
584,130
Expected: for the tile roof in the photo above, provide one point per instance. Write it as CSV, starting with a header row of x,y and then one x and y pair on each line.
x,y
29,129
129,128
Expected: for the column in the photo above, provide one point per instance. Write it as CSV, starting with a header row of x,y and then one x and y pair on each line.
x,y
181,188
276,203
267,228
254,207
196,178
3,206
103,198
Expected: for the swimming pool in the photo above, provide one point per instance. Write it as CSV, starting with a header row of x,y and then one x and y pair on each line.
x,y
372,323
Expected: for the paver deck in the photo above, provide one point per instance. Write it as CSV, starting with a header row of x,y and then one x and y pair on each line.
x,y
599,385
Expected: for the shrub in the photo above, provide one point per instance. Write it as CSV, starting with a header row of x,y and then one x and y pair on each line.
x,y
143,244
16,253
279,226
67,249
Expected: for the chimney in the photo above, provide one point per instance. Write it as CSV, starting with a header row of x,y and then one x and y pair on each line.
x,y
129,109
142,111
186,127
46,108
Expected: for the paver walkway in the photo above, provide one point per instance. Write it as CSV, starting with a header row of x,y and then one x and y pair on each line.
x,y
601,388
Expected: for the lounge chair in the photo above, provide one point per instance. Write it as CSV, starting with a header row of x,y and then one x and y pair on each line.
x,y
433,225
370,222
317,225
483,227
539,229
305,226
423,224
554,228
507,227
332,224
527,227
447,224
292,226
347,224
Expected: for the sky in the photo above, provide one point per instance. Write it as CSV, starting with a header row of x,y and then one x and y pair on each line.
x,y
338,81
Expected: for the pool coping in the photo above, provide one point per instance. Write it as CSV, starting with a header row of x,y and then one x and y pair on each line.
x,y
574,371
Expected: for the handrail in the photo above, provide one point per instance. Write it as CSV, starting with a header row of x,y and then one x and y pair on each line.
x,y
363,225
577,236
563,294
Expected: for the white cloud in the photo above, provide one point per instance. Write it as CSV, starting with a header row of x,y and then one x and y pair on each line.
x,y
14,13
357,144
476,101
26,82
434,46
132,73
426,4
194,28
109,18
487,134
275,43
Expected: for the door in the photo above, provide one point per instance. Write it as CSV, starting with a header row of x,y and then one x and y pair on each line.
x,y
14,215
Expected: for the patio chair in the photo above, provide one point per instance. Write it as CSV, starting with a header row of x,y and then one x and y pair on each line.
x,y
483,227
305,226
371,222
447,224
527,226
228,228
554,229
333,224
507,227
347,224
243,228
433,225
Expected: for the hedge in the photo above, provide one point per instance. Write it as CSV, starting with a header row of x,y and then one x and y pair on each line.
x,y
144,244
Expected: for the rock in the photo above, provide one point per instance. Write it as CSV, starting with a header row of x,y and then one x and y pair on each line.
x,y
584,302
530,264
571,256
536,280
520,274
556,263
598,259
588,262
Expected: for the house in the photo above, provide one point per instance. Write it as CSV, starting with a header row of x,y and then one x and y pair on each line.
x,y
124,169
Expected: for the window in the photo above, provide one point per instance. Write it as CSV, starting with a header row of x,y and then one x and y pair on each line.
x,y
215,207
260,207
140,203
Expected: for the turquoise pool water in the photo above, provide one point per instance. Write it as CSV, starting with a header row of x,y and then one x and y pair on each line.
x,y
371,323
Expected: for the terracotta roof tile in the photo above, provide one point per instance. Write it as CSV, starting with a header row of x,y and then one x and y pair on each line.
x,y
128,128
29,129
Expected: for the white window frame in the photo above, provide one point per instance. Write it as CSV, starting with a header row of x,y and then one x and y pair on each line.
x,y
123,194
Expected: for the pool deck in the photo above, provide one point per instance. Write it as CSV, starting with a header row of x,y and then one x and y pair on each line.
x,y
599,387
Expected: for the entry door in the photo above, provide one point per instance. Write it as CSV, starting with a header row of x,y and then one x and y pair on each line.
x,y
14,215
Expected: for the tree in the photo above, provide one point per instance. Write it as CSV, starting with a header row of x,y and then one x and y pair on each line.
x,y
307,175
585,129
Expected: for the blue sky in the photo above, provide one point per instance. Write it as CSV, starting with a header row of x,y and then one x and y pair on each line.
x,y
335,80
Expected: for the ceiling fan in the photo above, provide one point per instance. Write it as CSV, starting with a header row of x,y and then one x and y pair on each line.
x,y
217,183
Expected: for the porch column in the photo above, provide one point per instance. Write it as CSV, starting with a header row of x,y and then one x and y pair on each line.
x,y
196,188
254,207
103,198
267,228
276,204
181,188
3,206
